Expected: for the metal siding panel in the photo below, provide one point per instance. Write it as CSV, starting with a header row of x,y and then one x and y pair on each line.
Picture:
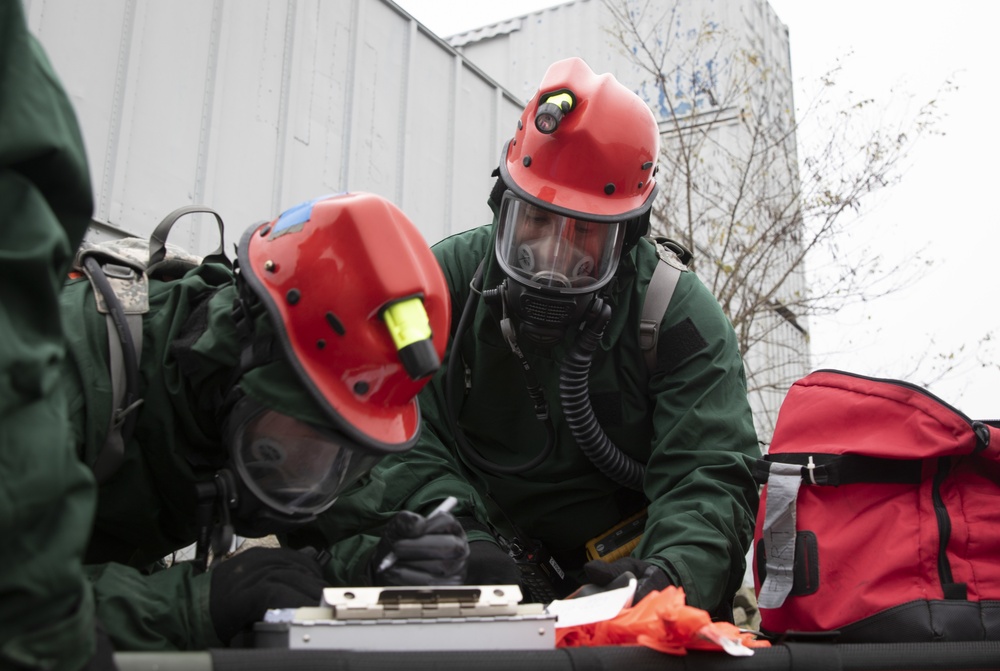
x,y
252,107
477,156
242,149
429,139
161,119
88,72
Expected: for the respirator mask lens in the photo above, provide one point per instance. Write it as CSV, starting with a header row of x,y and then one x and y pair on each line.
x,y
293,467
544,250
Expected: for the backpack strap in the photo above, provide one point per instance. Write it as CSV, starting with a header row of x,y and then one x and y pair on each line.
x,y
673,259
158,246
112,279
833,470
119,271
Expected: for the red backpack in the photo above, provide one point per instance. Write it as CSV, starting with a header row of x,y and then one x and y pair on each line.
x,y
880,517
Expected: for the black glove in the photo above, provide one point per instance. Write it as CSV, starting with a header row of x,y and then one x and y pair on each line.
x,y
489,565
426,550
246,585
650,578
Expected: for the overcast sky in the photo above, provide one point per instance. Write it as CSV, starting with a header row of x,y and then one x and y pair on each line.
x,y
944,202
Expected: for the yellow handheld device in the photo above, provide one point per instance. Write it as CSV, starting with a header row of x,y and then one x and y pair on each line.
x,y
619,540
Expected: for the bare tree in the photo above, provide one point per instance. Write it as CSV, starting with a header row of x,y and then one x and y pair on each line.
x,y
736,191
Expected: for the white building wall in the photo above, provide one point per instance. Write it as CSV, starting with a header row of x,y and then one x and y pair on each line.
x,y
252,106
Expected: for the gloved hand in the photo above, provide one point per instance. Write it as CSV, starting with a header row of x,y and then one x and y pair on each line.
x,y
428,551
489,565
650,578
244,586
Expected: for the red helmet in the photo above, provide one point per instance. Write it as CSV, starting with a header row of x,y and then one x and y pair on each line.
x,y
360,306
585,147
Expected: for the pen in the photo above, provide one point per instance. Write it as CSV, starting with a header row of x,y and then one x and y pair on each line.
x,y
444,507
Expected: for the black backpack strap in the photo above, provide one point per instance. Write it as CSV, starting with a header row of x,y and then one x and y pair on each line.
x,y
832,470
158,240
124,352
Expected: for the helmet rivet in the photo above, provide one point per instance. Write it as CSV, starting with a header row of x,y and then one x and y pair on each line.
x,y
335,324
361,388
640,185
320,343
264,231
269,266
293,296
609,188
526,161
520,126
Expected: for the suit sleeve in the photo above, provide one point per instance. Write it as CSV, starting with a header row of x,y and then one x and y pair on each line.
x,y
164,611
703,498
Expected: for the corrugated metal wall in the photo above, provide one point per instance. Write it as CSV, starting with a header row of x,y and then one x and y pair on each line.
x,y
252,106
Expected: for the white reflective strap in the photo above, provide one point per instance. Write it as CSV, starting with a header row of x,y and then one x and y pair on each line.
x,y
783,484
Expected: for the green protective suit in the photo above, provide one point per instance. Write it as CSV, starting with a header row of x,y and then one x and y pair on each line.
x,y
47,496
688,421
148,508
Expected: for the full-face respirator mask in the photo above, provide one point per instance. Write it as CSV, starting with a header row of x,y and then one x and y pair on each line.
x,y
286,471
555,264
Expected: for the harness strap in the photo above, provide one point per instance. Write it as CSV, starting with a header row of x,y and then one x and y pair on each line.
x,y
661,289
124,350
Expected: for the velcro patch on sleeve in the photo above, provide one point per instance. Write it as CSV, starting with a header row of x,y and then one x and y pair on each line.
x,y
677,344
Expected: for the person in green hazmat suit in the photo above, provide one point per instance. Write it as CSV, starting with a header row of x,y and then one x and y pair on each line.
x,y
257,397
263,395
46,494
547,424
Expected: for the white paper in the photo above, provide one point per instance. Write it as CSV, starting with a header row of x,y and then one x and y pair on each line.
x,y
731,646
593,608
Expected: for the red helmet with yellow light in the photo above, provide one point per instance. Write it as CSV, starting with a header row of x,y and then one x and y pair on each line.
x,y
585,146
360,305
579,188
349,289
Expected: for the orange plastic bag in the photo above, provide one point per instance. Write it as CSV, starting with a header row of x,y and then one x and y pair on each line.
x,y
660,621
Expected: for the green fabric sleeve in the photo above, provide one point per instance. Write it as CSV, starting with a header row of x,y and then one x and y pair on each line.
x,y
702,496
167,610
47,496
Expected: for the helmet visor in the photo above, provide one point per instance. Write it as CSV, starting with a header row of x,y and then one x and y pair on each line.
x,y
290,465
546,250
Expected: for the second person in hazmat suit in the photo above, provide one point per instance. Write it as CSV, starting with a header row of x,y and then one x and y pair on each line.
x,y
547,423
262,396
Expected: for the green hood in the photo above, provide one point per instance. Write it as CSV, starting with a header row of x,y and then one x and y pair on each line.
x,y
216,353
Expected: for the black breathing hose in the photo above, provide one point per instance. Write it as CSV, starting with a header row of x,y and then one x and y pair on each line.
x,y
579,413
